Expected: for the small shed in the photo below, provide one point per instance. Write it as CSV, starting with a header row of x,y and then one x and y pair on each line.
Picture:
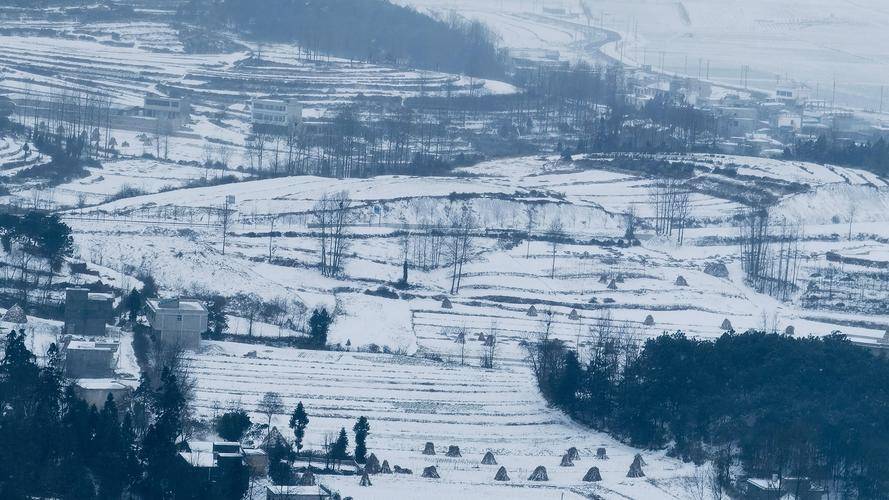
x,y
489,459
429,449
592,475
431,473
539,474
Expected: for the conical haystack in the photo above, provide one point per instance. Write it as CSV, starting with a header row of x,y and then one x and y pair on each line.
x,y
566,461
385,469
532,311
446,303
573,454
574,316
612,285
636,467
789,331
539,474
307,479
601,454
727,325
481,337
501,475
15,314
649,320
592,475
453,451
372,466
429,449
489,459
365,480
431,472
680,281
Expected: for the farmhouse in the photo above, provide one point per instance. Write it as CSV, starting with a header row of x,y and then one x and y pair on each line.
x,y
319,492
276,112
177,322
95,391
89,359
160,107
87,313
796,488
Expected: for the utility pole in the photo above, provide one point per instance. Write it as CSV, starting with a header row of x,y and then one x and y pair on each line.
x,y
229,200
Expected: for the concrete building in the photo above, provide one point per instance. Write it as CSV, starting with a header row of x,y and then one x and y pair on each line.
x,y
173,109
177,322
90,359
95,391
276,112
257,461
87,313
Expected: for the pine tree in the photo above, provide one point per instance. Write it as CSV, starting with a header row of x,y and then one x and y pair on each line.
x,y
339,450
361,429
298,422
319,325
134,304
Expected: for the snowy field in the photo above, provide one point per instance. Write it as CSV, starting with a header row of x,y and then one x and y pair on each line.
x,y
412,399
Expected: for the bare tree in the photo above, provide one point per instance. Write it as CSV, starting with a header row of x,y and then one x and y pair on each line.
x,y
460,242
556,234
331,216
270,405
531,218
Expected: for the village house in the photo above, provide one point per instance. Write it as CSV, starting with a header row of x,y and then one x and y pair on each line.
x,y
783,488
319,492
89,359
87,313
273,112
172,109
177,322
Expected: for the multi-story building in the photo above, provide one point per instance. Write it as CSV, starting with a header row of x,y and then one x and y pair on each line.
x,y
177,322
276,112
173,109
87,313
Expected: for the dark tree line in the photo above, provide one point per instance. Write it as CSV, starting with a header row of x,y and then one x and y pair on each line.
x,y
36,246
872,155
367,30
52,445
813,407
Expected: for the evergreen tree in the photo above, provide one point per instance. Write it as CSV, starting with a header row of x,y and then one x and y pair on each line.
x,y
361,429
298,422
319,325
339,450
232,425
134,304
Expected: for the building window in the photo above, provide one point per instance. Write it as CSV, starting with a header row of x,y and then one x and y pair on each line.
x,y
179,317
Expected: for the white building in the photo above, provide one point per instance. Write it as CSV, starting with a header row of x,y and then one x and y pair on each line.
x,y
165,108
177,322
796,94
276,112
